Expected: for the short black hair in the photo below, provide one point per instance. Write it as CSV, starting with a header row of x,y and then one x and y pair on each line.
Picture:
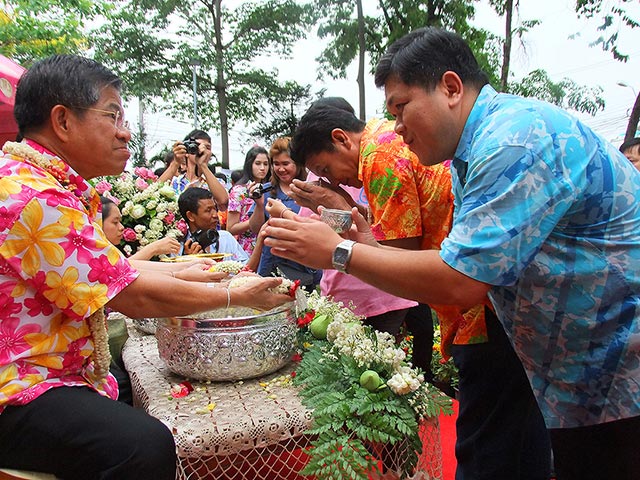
x,y
421,58
313,133
629,144
69,80
190,198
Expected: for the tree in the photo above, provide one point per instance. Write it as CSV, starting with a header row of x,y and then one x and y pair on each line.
x,y
151,44
30,30
565,93
615,16
393,20
283,111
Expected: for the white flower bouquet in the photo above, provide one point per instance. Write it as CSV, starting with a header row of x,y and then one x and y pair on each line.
x,y
149,208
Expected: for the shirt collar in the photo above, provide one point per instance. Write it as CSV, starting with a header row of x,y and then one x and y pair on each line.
x,y
478,113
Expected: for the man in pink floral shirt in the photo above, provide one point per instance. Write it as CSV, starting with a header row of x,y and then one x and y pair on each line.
x,y
58,272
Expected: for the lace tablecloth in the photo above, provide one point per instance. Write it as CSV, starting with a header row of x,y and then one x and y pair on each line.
x,y
250,429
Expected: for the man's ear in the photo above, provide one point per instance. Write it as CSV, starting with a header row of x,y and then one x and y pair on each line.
x,y
191,218
340,138
61,122
452,86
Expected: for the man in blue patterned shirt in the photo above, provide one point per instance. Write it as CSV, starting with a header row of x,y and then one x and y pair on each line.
x,y
547,216
547,223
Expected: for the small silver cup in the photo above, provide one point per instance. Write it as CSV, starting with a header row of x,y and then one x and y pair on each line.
x,y
339,220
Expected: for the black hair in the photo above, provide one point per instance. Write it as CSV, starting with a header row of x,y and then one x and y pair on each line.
x,y
69,80
189,200
247,169
236,175
421,58
198,135
107,206
313,133
629,144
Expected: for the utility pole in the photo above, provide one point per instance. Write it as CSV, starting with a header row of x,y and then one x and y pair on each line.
x,y
195,63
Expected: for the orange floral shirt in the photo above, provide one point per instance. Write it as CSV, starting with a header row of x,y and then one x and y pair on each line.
x,y
56,269
408,199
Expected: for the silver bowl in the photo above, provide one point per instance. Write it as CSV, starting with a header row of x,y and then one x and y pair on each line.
x,y
227,344
339,220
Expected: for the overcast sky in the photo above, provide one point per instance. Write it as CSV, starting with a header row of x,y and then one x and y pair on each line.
x,y
547,46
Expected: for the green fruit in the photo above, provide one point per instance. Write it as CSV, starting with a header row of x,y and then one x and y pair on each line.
x,y
318,326
370,380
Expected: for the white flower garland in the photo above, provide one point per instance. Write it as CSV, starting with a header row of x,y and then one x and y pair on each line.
x,y
101,356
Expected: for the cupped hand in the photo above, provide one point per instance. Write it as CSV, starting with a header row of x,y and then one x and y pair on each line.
x,y
275,208
360,229
314,194
308,241
166,246
256,294
200,273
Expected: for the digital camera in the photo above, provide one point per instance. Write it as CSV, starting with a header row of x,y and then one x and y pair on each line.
x,y
191,145
261,189
206,238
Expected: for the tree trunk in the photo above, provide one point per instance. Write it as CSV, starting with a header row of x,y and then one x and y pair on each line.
x,y
508,37
362,51
221,86
634,118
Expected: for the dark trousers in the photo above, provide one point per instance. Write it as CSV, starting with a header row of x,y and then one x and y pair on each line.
x,y
608,451
75,433
500,431
419,322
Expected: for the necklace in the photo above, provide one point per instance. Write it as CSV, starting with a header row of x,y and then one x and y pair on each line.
x,y
56,168
52,165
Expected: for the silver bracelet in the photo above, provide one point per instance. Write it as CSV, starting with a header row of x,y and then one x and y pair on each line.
x,y
228,297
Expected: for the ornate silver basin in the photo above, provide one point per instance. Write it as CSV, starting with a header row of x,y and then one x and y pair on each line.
x,y
227,344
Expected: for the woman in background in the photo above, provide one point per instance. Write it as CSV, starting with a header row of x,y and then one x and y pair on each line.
x,y
255,172
283,171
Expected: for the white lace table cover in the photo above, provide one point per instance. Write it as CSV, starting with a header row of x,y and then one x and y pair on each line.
x,y
236,430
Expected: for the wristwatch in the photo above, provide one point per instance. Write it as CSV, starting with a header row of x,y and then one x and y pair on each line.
x,y
342,255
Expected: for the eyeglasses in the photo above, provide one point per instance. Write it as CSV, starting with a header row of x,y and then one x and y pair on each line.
x,y
117,116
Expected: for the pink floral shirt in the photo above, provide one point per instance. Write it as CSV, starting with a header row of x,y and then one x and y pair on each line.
x,y
241,202
56,269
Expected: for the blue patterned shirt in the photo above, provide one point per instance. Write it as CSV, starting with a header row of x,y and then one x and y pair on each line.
x,y
548,213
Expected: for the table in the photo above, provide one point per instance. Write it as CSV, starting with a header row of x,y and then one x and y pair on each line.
x,y
253,429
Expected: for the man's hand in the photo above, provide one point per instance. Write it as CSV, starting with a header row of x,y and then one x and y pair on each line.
x,y
191,247
314,194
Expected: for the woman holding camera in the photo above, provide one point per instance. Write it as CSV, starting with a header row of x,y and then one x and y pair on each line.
x,y
255,172
283,171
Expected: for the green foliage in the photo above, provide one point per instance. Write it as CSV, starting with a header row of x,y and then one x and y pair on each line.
x,y
565,93
34,29
614,16
152,45
394,20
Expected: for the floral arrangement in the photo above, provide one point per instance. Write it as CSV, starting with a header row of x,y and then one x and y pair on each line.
x,y
149,208
363,393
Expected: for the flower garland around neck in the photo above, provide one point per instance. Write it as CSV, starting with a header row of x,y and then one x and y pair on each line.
x,y
97,324
48,164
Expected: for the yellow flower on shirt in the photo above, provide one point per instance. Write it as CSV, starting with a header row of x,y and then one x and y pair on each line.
x,y
61,290
35,240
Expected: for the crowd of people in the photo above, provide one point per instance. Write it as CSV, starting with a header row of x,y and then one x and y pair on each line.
x,y
507,220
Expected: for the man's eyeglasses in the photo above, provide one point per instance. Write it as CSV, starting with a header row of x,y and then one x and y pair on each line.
x,y
117,116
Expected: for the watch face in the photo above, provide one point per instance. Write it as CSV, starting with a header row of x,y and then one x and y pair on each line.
x,y
340,256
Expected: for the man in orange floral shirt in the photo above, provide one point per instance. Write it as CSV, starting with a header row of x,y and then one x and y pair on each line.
x,y
57,273
411,207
